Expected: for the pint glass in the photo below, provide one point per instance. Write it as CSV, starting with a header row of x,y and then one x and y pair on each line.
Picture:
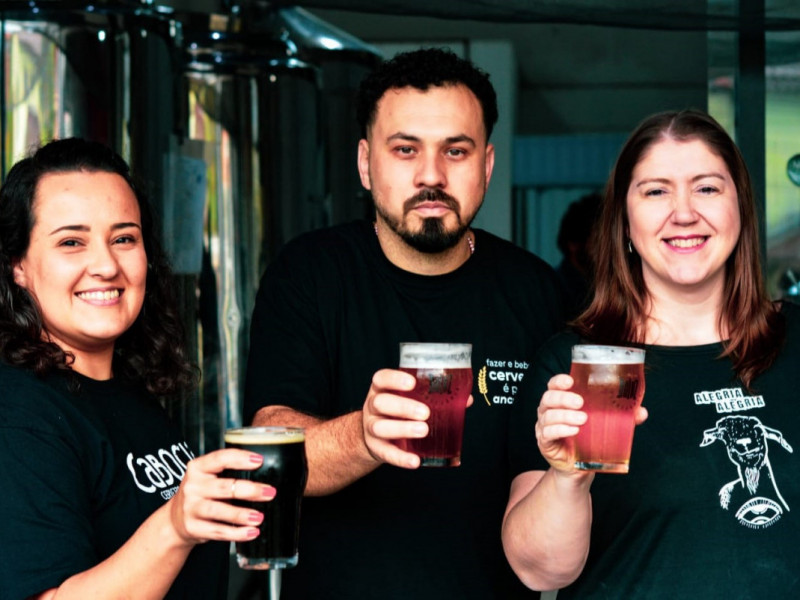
x,y
444,383
611,381
284,468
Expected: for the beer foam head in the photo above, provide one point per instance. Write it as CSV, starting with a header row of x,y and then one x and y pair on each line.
x,y
265,435
607,355
414,355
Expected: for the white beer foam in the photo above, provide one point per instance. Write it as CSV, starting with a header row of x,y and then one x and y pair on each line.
x,y
415,355
607,355
265,435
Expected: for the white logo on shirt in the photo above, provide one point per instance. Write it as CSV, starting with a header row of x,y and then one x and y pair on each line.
x,y
161,472
504,376
745,438
729,400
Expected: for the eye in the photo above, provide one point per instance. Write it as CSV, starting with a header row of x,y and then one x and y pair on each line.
x,y
456,152
655,192
126,239
69,243
404,150
708,189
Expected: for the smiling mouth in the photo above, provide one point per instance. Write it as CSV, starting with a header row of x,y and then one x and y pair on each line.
x,y
106,295
687,243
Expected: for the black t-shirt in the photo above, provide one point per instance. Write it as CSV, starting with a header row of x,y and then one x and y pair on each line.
x,y
711,506
331,311
82,468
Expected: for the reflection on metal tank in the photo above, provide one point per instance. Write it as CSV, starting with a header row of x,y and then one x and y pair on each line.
x,y
343,61
67,70
249,163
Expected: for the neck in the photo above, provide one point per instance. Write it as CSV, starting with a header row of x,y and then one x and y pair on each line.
x,y
92,365
410,259
688,319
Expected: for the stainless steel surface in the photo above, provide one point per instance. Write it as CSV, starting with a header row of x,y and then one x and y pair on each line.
x,y
67,71
255,110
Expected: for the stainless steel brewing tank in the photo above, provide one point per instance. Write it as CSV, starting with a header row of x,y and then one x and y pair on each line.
x,y
97,71
251,114
343,60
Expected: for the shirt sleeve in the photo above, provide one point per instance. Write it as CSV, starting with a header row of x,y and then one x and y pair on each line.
x,y
46,533
287,363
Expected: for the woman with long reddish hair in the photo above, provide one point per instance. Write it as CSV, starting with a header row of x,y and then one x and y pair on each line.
x,y
705,510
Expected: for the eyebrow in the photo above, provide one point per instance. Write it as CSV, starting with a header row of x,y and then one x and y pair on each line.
x,y
665,180
455,139
86,228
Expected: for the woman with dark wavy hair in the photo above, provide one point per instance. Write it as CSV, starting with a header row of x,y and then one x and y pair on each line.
x,y
678,273
101,495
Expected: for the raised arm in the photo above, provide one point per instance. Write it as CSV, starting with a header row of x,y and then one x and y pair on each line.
x,y
343,449
547,525
147,564
548,519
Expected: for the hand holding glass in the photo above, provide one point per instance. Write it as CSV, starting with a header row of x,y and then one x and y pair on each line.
x,y
611,381
284,468
444,383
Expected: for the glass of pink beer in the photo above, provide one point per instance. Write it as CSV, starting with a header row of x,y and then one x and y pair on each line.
x,y
444,383
611,381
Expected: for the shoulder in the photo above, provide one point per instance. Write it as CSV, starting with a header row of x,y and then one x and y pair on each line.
x,y
791,310
498,248
31,402
513,268
322,252
352,234
312,267
18,381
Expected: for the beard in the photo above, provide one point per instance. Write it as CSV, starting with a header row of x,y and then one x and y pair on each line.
x,y
432,237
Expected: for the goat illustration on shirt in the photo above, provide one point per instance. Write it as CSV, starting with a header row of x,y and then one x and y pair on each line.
x,y
745,439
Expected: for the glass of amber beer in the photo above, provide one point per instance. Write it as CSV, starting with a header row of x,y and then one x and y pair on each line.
x,y
284,468
444,383
611,381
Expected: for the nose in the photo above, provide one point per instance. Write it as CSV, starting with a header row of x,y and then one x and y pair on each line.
x,y
102,261
683,208
430,171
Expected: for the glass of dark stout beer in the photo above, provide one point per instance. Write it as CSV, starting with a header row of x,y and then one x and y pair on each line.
x,y
611,381
285,468
444,383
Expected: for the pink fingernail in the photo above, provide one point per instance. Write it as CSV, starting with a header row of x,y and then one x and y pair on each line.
x,y
253,533
268,492
255,517
256,459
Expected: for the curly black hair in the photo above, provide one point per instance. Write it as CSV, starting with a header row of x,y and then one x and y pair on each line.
x,y
151,350
422,69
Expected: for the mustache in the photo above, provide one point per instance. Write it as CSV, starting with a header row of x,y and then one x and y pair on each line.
x,y
431,195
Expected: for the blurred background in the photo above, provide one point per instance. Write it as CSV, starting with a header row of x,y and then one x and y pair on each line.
x,y
239,117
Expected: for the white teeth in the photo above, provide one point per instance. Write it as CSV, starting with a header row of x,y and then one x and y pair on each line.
x,y
107,295
691,243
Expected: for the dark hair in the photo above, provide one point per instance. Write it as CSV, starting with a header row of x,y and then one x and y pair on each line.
x,y
422,69
619,308
151,350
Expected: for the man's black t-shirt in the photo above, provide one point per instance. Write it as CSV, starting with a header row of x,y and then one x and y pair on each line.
x,y
331,312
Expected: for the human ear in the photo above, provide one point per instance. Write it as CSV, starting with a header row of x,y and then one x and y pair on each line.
x,y
19,273
363,163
